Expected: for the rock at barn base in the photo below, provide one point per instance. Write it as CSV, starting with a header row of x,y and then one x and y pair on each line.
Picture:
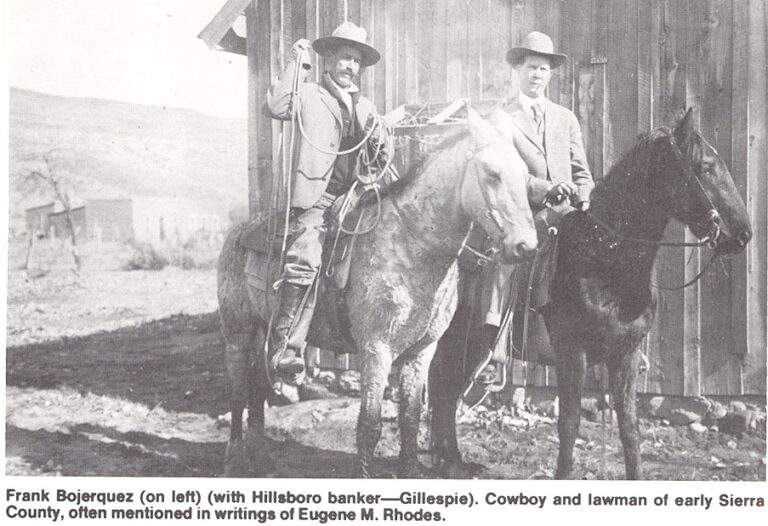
x,y
736,422
679,410
698,428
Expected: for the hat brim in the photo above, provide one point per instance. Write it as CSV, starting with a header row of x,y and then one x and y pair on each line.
x,y
517,55
324,44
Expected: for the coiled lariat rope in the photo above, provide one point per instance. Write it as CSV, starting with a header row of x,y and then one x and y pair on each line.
x,y
287,179
367,173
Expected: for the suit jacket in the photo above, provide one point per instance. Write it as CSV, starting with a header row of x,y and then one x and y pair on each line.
x,y
321,117
561,157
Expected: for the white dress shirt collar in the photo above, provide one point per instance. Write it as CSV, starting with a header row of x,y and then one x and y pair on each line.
x,y
526,102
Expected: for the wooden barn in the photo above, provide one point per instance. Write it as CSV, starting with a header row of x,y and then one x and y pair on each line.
x,y
632,66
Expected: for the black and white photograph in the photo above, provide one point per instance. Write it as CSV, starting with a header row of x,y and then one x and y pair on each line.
x,y
487,240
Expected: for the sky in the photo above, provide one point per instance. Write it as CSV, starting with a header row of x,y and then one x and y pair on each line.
x,y
144,51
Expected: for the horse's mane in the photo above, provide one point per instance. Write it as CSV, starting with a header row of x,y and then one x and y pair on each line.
x,y
635,162
639,156
635,172
419,167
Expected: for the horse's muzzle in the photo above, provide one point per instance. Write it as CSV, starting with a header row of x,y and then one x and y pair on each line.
x,y
524,248
735,244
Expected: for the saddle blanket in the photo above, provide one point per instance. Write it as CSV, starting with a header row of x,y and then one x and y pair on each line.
x,y
330,324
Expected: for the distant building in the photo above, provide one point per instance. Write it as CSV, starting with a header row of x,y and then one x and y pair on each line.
x,y
109,220
164,220
155,220
59,227
37,219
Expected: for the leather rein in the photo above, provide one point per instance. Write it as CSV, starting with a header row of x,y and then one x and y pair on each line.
x,y
713,217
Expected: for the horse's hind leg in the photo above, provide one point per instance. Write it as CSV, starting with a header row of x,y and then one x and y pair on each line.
x,y
376,366
623,378
238,363
413,373
259,460
571,368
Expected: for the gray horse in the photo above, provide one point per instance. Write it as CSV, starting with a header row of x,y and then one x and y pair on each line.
x,y
402,289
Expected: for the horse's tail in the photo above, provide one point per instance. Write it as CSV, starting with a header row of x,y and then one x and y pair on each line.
x,y
237,314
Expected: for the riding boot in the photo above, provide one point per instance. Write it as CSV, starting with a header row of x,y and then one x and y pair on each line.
x,y
284,349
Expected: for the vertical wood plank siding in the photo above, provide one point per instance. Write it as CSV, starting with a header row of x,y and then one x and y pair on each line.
x,y
632,65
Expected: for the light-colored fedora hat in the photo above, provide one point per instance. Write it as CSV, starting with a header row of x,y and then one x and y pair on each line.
x,y
535,43
348,34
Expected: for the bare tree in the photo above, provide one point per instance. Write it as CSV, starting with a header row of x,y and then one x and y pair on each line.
x,y
48,176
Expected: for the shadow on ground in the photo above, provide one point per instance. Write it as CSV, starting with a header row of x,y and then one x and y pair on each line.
x,y
177,363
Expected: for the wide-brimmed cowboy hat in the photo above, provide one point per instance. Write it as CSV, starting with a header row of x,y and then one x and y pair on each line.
x,y
348,34
535,43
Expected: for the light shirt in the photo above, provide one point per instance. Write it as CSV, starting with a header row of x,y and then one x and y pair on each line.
x,y
345,93
527,102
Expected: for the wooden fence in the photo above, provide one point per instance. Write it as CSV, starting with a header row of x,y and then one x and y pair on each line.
x,y
633,65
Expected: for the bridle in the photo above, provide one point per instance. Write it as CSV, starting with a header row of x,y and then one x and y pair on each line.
x,y
493,212
714,218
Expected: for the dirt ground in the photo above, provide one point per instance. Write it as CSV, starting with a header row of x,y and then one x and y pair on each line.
x,y
106,377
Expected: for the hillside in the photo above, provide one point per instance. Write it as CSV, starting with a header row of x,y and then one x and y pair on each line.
x,y
105,148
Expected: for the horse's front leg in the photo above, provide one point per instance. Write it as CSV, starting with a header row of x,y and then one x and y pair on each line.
x,y
413,374
447,378
571,368
377,362
623,373
445,381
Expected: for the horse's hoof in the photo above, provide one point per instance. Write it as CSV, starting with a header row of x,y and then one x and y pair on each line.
x,y
259,460
412,470
235,459
461,470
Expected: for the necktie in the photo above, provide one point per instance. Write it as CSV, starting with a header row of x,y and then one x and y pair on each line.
x,y
538,118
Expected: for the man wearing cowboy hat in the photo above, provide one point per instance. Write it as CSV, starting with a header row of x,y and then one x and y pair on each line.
x,y
334,117
548,138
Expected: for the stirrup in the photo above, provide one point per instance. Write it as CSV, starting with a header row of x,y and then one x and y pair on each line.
x,y
476,392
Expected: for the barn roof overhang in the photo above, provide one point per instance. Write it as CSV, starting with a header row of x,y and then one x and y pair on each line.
x,y
63,212
220,34
39,207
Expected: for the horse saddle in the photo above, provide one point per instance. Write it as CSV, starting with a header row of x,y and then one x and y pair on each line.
x,y
539,273
529,284
264,242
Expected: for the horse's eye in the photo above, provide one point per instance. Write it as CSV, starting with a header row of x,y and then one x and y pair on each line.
x,y
494,175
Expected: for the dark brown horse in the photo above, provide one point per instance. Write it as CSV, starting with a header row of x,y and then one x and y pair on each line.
x,y
602,302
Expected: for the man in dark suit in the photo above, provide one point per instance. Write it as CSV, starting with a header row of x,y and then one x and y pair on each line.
x,y
548,138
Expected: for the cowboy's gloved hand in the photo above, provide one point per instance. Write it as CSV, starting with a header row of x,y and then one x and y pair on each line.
x,y
560,191
300,51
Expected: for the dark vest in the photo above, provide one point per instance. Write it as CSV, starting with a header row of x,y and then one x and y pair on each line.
x,y
344,168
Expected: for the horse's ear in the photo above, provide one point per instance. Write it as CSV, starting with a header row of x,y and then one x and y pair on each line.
x,y
482,132
685,130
